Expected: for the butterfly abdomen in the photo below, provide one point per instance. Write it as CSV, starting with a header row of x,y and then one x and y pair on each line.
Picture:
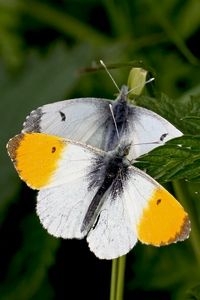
x,y
107,174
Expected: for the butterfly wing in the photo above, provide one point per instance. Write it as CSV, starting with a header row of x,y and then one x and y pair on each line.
x,y
112,234
90,121
59,169
82,119
62,209
137,207
160,218
146,130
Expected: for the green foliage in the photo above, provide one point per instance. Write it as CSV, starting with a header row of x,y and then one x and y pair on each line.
x,y
28,267
193,293
178,159
46,48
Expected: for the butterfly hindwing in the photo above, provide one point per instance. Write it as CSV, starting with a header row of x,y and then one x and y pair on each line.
x,y
112,235
62,209
141,210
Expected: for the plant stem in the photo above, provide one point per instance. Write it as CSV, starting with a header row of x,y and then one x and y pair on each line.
x,y
117,278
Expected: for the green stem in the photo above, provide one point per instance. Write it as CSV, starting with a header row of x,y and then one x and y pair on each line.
x,y
183,194
120,281
117,278
113,279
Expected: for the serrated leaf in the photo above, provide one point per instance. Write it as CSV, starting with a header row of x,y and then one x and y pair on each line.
x,y
191,114
177,159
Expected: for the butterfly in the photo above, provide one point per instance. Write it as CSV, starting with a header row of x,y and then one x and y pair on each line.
x,y
103,123
88,192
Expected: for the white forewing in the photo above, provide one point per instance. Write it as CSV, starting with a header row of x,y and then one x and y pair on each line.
x,y
147,130
90,121
78,119
74,163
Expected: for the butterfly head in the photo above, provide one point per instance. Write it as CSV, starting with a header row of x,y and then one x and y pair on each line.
x,y
122,97
120,153
123,149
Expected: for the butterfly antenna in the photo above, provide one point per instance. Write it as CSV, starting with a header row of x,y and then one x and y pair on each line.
x,y
148,81
111,109
102,63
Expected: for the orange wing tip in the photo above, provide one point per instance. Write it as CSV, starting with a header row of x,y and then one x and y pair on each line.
x,y
163,220
179,236
184,231
36,156
13,145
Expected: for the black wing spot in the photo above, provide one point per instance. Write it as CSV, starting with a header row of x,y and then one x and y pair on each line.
x,y
163,136
63,116
53,149
158,201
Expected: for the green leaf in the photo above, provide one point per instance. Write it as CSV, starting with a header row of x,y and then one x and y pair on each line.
x,y
177,159
191,114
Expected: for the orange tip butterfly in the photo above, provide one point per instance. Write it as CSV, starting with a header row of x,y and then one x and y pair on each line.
x,y
88,192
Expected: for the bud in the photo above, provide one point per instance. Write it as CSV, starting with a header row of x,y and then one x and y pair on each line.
x,y
136,81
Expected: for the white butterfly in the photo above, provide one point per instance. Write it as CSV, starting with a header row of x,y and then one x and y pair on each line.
x,y
87,192
90,121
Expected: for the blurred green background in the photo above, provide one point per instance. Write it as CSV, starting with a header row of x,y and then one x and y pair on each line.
x,y
45,47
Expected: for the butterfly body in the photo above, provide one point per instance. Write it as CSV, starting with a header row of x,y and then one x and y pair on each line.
x,y
107,174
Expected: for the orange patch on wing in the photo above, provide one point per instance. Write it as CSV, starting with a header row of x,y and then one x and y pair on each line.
x,y
36,157
163,221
